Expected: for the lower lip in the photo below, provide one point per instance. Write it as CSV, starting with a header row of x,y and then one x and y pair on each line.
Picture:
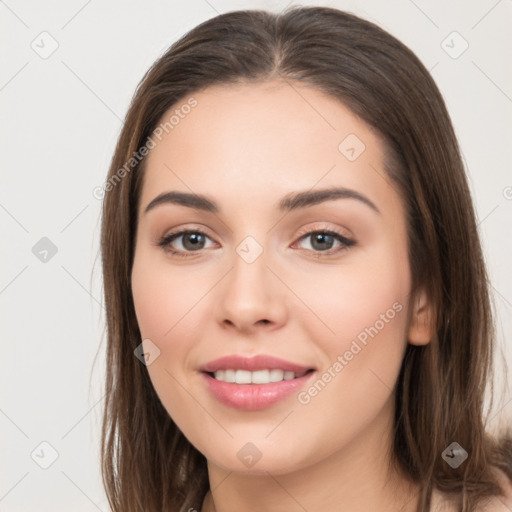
x,y
253,397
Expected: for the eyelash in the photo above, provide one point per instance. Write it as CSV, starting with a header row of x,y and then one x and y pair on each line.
x,y
165,242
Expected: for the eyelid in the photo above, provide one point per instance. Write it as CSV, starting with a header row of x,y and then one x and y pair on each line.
x,y
324,228
184,230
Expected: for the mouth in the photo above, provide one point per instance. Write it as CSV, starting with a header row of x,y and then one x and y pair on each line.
x,y
254,382
258,394
265,376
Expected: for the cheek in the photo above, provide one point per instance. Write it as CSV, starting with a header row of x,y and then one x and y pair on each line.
x,y
173,304
363,307
164,299
167,304
363,291
366,307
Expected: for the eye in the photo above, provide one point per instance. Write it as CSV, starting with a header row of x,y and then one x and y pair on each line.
x,y
189,240
186,242
327,241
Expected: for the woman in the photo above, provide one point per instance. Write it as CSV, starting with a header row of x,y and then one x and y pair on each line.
x,y
297,304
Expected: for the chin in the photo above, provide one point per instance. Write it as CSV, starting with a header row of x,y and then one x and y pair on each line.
x,y
249,460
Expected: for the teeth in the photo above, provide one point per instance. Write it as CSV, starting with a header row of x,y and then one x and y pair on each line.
x,y
256,377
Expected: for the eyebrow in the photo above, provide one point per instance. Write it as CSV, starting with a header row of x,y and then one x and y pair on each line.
x,y
290,202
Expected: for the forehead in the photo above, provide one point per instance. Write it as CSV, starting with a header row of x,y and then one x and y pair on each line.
x,y
246,140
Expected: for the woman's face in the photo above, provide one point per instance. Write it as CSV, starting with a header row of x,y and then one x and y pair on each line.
x,y
321,283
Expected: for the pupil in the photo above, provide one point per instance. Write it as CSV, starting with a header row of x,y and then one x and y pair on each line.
x,y
322,238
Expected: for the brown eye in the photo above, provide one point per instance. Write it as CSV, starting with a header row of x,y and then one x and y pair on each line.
x,y
326,240
193,241
322,241
183,242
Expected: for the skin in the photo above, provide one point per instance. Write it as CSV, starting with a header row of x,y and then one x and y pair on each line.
x,y
246,147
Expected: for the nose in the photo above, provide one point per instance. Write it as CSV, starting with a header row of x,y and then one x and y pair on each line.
x,y
251,297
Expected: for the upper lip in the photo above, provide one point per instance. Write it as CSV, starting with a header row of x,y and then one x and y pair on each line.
x,y
258,362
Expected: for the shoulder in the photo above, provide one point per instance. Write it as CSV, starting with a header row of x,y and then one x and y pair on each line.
x,y
501,503
442,502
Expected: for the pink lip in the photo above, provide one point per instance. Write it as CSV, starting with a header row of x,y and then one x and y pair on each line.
x,y
254,396
259,362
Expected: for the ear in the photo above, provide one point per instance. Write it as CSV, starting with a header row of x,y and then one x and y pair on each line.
x,y
421,323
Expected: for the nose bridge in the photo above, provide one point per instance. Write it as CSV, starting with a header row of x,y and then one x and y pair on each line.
x,y
248,281
251,293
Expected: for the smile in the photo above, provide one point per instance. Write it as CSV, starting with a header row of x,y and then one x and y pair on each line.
x,y
256,377
255,396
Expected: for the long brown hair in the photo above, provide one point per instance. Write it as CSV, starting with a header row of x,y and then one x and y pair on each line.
x,y
147,463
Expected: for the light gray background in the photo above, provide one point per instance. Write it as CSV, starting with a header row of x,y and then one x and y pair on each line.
x,y
61,116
